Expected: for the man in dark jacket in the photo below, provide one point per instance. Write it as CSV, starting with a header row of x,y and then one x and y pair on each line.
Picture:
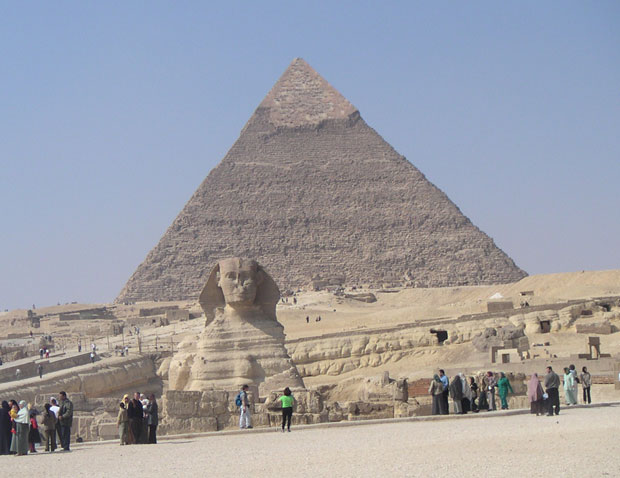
x,y
65,418
552,383
135,413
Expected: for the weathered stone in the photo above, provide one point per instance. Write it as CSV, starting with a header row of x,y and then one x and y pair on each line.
x,y
242,343
312,191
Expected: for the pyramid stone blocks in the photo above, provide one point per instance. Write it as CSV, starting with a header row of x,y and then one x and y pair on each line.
x,y
311,191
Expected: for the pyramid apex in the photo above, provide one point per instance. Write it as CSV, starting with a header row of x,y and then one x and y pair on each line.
x,y
303,97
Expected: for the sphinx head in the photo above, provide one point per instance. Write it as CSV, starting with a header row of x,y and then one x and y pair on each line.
x,y
239,280
240,284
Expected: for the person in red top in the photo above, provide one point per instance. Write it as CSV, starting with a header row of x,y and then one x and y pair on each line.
x,y
33,433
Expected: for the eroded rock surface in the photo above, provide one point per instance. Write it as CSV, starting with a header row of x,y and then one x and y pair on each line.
x,y
242,342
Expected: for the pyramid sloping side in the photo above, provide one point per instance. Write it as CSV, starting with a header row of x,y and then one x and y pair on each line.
x,y
330,199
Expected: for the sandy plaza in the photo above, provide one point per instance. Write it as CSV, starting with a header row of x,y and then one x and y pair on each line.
x,y
578,442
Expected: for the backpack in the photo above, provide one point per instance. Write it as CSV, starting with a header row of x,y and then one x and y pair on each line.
x,y
238,401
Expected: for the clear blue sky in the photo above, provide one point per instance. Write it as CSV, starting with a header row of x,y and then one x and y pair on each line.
x,y
112,113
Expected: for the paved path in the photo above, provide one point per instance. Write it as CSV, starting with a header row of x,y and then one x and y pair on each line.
x,y
579,442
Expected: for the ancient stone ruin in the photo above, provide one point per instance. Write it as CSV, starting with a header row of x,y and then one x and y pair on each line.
x,y
315,194
242,343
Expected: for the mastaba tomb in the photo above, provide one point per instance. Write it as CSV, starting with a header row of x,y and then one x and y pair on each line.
x,y
314,193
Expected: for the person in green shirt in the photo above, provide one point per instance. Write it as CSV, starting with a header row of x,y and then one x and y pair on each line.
x,y
504,387
287,401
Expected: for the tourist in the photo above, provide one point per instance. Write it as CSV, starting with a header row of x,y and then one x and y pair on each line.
x,y
47,353
586,383
483,404
152,411
436,391
144,433
135,413
18,374
33,434
445,381
473,386
5,428
22,428
573,371
535,394
55,409
40,370
456,392
569,387
49,428
467,395
245,416
490,384
123,422
503,387
13,414
65,417
287,401
92,357
552,383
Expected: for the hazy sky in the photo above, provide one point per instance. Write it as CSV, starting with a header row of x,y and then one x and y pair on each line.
x,y
112,113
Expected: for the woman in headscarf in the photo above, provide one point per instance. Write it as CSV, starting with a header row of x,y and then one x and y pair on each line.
x,y
535,394
503,387
22,429
436,391
13,414
466,400
473,386
569,387
456,391
5,428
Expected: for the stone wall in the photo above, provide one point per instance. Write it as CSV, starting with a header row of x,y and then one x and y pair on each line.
x,y
189,412
97,380
7,373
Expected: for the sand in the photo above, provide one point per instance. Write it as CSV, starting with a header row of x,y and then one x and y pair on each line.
x,y
578,442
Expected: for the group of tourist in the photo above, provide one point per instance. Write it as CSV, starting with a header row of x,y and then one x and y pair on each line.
x,y
475,394
245,417
138,419
20,431
467,393
547,402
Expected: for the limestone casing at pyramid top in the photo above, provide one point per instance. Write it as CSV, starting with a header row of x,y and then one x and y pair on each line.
x,y
303,97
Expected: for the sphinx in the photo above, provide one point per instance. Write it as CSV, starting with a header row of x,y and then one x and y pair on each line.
x,y
242,341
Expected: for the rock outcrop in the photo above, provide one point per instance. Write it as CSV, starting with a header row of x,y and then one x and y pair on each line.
x,y
310,190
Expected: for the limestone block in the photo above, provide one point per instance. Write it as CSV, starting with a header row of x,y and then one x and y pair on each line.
x,y
107,431
182,404
593,326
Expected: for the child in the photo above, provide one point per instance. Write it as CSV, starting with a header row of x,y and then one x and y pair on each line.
x,y
49,428
33,435
122,422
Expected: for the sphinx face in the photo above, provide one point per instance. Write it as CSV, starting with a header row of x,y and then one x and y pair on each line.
x,y
239,281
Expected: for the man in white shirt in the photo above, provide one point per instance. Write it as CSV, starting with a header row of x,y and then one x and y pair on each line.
x,y
54,409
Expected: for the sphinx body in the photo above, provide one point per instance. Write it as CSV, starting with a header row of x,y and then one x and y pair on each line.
x,y
242,342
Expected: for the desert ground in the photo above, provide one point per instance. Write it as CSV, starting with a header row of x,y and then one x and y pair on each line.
x,y
578,442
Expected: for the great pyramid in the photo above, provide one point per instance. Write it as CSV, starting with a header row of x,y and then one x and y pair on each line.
x,y
311,191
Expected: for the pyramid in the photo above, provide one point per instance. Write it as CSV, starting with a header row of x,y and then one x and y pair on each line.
x,y
313,193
